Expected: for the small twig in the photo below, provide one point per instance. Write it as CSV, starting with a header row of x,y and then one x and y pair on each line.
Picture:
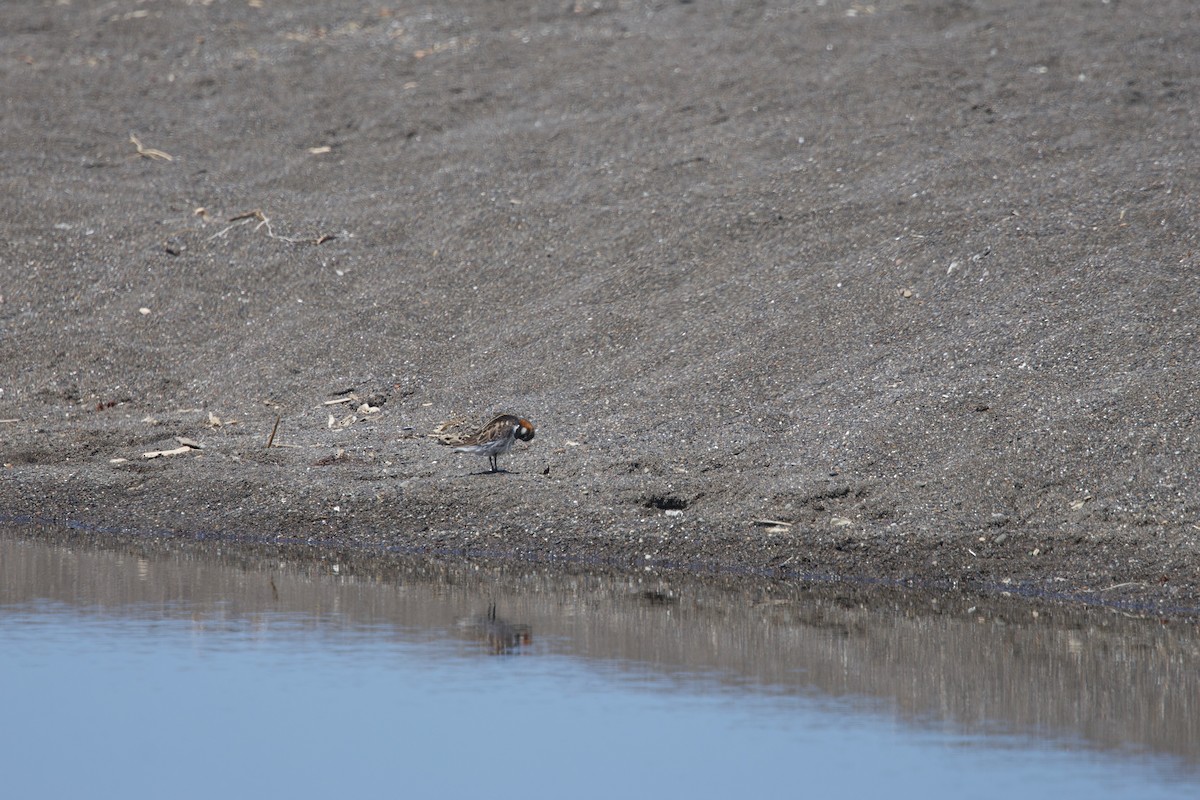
x,y
150,152
228,228
160,453
275,427
265,222
1121,586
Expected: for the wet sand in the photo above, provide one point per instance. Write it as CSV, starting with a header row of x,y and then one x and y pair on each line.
x,y
899,292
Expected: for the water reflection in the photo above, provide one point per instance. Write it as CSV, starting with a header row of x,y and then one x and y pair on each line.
x,y
499,636
1094,679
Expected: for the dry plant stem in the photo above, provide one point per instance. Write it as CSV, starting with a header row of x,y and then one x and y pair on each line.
x,y
265,222
1121,585
271,438
150,152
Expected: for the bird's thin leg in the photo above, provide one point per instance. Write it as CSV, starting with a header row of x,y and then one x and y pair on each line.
x,y
495,463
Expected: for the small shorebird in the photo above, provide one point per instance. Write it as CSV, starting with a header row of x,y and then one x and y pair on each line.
x,y
492,440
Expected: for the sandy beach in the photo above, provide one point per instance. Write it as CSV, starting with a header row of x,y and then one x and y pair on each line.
x,y
894,291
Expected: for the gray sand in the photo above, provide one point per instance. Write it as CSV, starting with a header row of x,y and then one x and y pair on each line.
x,y
902,291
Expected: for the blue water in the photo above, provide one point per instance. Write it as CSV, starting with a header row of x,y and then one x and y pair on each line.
x,y
146,702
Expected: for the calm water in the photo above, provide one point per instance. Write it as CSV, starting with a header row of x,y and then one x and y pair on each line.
x,y
154,671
